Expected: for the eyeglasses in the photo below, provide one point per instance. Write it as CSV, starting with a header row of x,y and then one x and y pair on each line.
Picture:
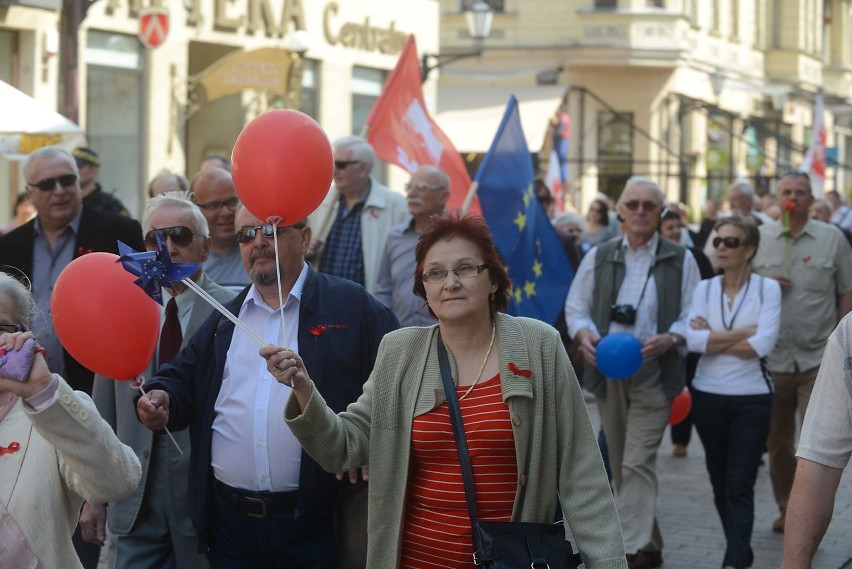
x,y
232,204
411,188
11,328
647,205
48,184
342,164
728,242
462,272
179,234
246,234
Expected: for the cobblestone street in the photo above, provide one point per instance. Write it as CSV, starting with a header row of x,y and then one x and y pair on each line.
x,y
691,529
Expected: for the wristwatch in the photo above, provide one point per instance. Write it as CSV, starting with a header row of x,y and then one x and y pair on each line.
x,y
677,340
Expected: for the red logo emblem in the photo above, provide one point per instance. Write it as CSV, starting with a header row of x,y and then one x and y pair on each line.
x,y
153,27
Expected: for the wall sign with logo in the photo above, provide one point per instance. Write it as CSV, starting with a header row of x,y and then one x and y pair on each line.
x,y
153,27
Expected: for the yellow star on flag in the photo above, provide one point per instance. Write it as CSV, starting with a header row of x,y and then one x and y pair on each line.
x,y
537,268
529,288
521,221
518,295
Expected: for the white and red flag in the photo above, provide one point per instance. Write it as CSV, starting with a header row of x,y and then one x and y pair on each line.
x,y
553,179
402,132
814,163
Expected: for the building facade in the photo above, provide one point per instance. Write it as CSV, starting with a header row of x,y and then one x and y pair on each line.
x,y
163,83
693,93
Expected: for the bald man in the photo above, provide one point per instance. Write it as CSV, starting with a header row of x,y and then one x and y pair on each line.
x,y
212,189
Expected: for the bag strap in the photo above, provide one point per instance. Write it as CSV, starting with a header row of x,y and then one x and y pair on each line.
x,y
458,428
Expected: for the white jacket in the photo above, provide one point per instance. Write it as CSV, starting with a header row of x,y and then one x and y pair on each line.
x,y
384,209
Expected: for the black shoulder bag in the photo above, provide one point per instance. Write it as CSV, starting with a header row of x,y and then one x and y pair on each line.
x,y
503,545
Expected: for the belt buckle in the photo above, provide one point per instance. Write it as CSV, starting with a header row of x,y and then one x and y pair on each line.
x,y
252,500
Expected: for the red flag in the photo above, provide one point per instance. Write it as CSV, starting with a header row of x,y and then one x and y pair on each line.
x,y
814,163
402,132
553,179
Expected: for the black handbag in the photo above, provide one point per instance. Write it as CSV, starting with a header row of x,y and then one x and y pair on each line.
x,y
503,545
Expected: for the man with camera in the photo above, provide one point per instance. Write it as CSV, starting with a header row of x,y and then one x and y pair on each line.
x,y
639,284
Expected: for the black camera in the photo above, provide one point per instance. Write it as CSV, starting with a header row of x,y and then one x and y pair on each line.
x,y
623,314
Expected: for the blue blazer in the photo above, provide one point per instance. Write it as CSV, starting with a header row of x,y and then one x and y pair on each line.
x,y
340,328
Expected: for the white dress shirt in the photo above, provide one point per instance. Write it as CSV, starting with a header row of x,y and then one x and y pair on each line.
x,y
252,449
637,263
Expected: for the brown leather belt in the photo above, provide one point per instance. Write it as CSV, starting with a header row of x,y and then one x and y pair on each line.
x,y
257,504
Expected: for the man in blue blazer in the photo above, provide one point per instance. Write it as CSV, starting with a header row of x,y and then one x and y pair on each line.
x,y
259,499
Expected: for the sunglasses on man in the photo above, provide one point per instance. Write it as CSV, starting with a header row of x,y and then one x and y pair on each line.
x,y
343,164
246,234
48,184
180,235
646,205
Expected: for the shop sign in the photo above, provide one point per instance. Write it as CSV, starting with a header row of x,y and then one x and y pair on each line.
x,y
153,27
364,36
266,69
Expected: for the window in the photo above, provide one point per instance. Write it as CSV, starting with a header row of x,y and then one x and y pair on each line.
x,y
309,102
366,87
655,4
606,3
115,112
615,151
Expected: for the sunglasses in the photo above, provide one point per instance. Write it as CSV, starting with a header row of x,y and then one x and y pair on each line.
x,y
11,328
647,205
342,164
179,234
246,234
232,204
48,184
728,242
411,188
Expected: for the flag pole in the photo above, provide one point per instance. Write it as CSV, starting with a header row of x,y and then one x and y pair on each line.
x,y
469,198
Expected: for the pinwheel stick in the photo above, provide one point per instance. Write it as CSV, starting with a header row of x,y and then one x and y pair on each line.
x,y
224,311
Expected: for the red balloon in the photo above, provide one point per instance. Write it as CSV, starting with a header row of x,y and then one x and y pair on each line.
x,y
104,320
282,166
681,405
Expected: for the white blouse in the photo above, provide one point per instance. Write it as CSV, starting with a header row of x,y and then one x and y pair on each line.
x,y
756,304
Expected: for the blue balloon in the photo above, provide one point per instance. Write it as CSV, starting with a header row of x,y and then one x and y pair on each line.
x,y
619,355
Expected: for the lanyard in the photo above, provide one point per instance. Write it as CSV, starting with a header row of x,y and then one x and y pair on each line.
x,y
722,303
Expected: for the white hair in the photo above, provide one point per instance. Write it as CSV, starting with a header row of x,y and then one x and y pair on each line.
x,y
642,181
361,149
178,200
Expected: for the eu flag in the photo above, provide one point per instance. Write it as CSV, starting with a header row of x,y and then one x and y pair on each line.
x,y
538,265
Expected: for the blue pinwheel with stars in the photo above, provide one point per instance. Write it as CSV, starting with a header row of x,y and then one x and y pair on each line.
x,y
155,269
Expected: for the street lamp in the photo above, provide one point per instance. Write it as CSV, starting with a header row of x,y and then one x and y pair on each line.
x,y
478,19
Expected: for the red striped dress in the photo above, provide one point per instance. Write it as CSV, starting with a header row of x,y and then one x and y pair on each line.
x,y
437,526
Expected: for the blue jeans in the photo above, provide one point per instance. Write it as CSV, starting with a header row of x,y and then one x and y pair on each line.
x,y
733,430
282,541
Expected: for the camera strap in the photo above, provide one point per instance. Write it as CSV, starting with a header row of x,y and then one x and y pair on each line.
x,y
647,277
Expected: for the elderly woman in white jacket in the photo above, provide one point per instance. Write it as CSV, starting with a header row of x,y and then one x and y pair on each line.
x,y
55,451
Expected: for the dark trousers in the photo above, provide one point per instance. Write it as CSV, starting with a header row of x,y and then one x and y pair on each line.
x,y
733,430
281,541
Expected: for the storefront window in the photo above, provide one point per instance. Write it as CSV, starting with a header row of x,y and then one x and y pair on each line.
x,y
114,113
309,103
366,87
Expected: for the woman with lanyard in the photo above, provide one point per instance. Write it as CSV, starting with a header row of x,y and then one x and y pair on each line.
x,y
733,323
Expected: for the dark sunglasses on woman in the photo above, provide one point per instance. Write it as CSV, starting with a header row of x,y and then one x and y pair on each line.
x,y
728,242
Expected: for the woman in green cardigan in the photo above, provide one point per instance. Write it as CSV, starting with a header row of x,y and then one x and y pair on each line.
x,y
528,430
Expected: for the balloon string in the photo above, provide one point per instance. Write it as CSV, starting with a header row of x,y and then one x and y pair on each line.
x,y
174,442
224,311
278,273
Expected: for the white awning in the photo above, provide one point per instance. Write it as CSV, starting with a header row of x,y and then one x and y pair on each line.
x,y
470,116
29,125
